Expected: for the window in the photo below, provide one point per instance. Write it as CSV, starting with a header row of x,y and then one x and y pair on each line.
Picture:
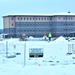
x,y
64,18
45,18
42,18
12,18
24,18
50,18
71,18
59,17
21,30
33,18
21,18
27,18
39,18
12,24
30,18
35,52
36,18
68,18
18,18
18,30
12,30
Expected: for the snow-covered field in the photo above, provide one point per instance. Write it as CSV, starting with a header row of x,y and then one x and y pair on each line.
x,y
55,60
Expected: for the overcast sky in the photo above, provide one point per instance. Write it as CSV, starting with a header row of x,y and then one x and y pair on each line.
x,y
34,7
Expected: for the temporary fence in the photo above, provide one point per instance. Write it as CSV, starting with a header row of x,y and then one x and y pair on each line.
x,y
71,48
31,52
2,48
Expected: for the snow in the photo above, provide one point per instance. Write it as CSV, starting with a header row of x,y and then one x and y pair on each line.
x,y
64,13
61,39
55,61
51,14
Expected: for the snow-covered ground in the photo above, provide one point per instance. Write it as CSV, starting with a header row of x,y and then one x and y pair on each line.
x,y
55,60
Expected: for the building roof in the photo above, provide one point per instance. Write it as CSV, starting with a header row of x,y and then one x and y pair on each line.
x,y
55,14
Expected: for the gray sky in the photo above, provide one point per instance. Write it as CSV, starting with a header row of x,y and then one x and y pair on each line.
x,y
34,7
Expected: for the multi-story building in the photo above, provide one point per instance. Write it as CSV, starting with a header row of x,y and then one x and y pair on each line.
x,y
37,25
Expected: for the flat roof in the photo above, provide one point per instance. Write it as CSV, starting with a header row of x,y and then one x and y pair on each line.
x,y
55,14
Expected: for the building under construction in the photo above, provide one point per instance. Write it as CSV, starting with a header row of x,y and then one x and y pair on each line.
x,y
38,25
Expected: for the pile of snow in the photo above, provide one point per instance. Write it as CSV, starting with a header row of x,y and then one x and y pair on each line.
x,y
64,13
31,37
60,39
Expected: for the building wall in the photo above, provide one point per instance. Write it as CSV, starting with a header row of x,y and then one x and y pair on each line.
x,y
38,25
9,25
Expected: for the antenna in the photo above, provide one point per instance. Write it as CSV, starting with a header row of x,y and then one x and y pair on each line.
x,y
68,11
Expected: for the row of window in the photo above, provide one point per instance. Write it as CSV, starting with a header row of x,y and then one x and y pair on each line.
x,y
42,24
31,30
42,18
33,23
68,18
42,30
32,18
